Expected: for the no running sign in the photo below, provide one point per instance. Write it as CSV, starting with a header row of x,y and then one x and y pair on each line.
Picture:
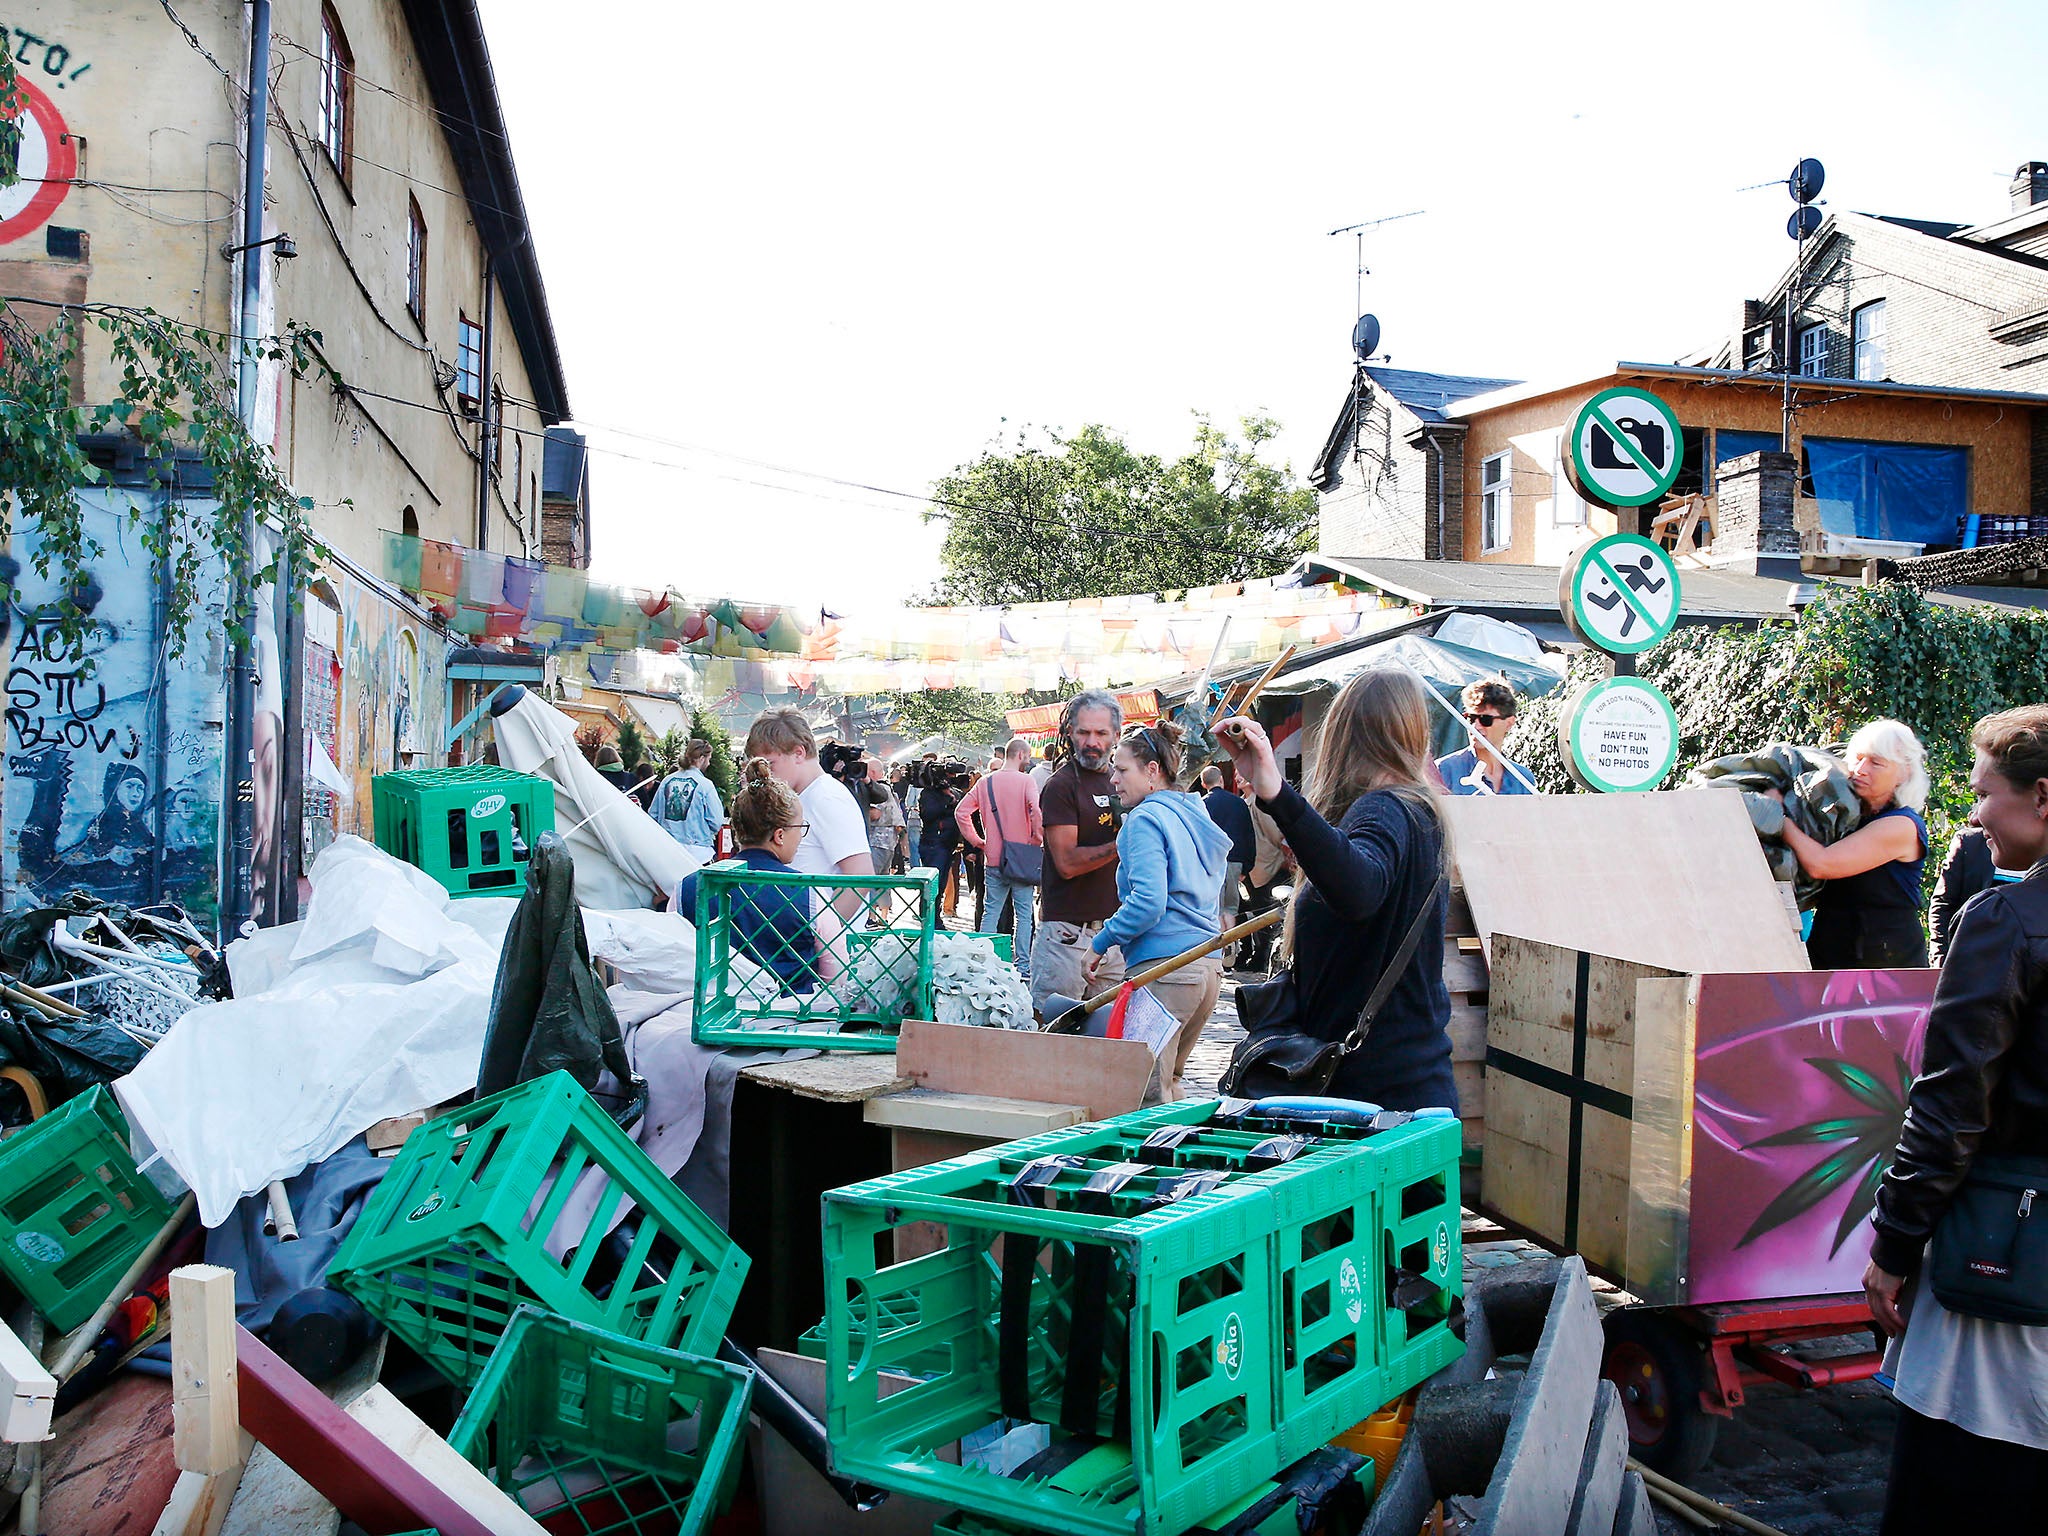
x,y
1620,594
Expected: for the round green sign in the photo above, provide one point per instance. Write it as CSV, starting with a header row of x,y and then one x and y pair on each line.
x,y
1619,736
1620,593
1626,447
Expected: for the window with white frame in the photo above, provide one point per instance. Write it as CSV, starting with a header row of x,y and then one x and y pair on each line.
x,y
469,363
1868,328
1813,351
1496,504
337,91
416,261
1566,510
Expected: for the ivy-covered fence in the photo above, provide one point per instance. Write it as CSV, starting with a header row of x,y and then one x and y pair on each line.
x,y
1855,654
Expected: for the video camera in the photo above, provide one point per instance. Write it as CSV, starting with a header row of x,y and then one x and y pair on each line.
x,y
843,760
952,777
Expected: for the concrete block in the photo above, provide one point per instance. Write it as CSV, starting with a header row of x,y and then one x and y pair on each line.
x,y
1635,1517
1601,1466
1401,1507
1537,1476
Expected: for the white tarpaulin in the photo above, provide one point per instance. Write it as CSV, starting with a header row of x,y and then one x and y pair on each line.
x,y
375,1005
623,857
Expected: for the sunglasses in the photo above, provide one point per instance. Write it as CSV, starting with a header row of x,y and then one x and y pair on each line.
x,y
1482,718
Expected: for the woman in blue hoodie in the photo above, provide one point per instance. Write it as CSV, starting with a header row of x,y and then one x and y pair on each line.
x,y
1171,859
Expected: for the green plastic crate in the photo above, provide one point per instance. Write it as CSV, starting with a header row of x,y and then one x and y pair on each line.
x,y
581,1425
471,828
1249,1278
764,991
74,1211
454,1239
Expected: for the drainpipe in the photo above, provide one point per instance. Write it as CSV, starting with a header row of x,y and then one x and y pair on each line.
x,y
487,417
238,898
1436,448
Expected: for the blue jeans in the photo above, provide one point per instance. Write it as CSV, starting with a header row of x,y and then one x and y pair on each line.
x,y
1024,898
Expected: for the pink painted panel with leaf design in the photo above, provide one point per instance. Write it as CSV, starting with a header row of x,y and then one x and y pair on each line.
x,y
1799,1090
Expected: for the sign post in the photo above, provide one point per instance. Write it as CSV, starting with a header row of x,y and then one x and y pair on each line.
x,y
1620,594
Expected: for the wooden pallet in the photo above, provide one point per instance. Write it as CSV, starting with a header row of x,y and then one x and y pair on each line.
x,y
1465,978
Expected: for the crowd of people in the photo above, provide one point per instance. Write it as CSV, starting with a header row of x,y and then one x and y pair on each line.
x,y
1104,856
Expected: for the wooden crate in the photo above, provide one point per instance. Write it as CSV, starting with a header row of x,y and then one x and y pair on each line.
x,y
1652,1121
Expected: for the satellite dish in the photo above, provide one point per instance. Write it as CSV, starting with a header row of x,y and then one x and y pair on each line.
x,y
1804,221
1365,336
1806,180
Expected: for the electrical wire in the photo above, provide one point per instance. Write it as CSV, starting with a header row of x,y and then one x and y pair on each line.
x,y
935,505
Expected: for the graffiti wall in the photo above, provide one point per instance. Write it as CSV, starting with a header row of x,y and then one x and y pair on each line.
x,y
375,683
1799,1090
113,747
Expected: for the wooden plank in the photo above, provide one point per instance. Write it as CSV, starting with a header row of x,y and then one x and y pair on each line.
x,y
30,1391
1675,880
387,1136
1660,1147
363,1477
273,1500
1467,1030
836,1077
1470,1077
406,1433
199,1502
970,1114
109,1466
1464,970
1108,1076
206,1422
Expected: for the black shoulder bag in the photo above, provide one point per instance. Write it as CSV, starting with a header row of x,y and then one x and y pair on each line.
x,y
1278,1054
1990,1253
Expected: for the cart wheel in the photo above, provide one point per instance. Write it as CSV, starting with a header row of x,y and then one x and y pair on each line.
x,y
1655,1365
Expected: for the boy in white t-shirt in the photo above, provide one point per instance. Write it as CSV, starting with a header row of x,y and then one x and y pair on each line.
x,y
835,832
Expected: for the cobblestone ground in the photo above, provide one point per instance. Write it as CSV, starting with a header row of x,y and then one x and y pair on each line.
x,y
1805,1463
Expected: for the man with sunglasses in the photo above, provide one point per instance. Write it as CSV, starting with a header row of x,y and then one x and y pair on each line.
x,y
1483,768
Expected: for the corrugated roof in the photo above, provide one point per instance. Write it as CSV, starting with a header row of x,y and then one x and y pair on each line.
x,y
1709,595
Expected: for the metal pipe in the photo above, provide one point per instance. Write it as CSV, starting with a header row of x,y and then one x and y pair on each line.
x,y
486,424
238,894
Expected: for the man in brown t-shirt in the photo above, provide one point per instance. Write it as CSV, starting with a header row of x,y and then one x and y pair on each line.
x,y
1079,888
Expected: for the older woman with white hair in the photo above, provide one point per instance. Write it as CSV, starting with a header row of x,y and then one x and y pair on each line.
x,y
1868,914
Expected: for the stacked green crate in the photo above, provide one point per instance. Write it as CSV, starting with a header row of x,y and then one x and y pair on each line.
x,y
1212,1292
840,983
461,1233
471,828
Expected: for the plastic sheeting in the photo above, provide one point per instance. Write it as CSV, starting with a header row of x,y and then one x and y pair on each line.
x,y
623,857
374,1005
1905,491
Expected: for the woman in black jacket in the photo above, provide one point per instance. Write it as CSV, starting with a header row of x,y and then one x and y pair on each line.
x,y
1971,1447
1370,842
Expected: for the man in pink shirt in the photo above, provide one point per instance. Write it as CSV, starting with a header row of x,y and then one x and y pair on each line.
x,y
1008,802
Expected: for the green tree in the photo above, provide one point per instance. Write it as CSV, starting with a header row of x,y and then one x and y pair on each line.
x,y
721,770
632,745
1089,516
966,714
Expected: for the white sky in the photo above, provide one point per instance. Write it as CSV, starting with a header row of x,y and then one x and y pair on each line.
x,y
856,240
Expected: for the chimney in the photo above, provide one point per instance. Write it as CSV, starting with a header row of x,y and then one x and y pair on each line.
x,y
2029,185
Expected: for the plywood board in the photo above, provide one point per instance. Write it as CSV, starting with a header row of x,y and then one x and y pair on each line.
x,y
109,1470
1537,1067
1108,1076
978,1115
836,1077
1674,880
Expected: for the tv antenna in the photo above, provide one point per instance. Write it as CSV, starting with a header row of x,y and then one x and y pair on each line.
x,y
1358,281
